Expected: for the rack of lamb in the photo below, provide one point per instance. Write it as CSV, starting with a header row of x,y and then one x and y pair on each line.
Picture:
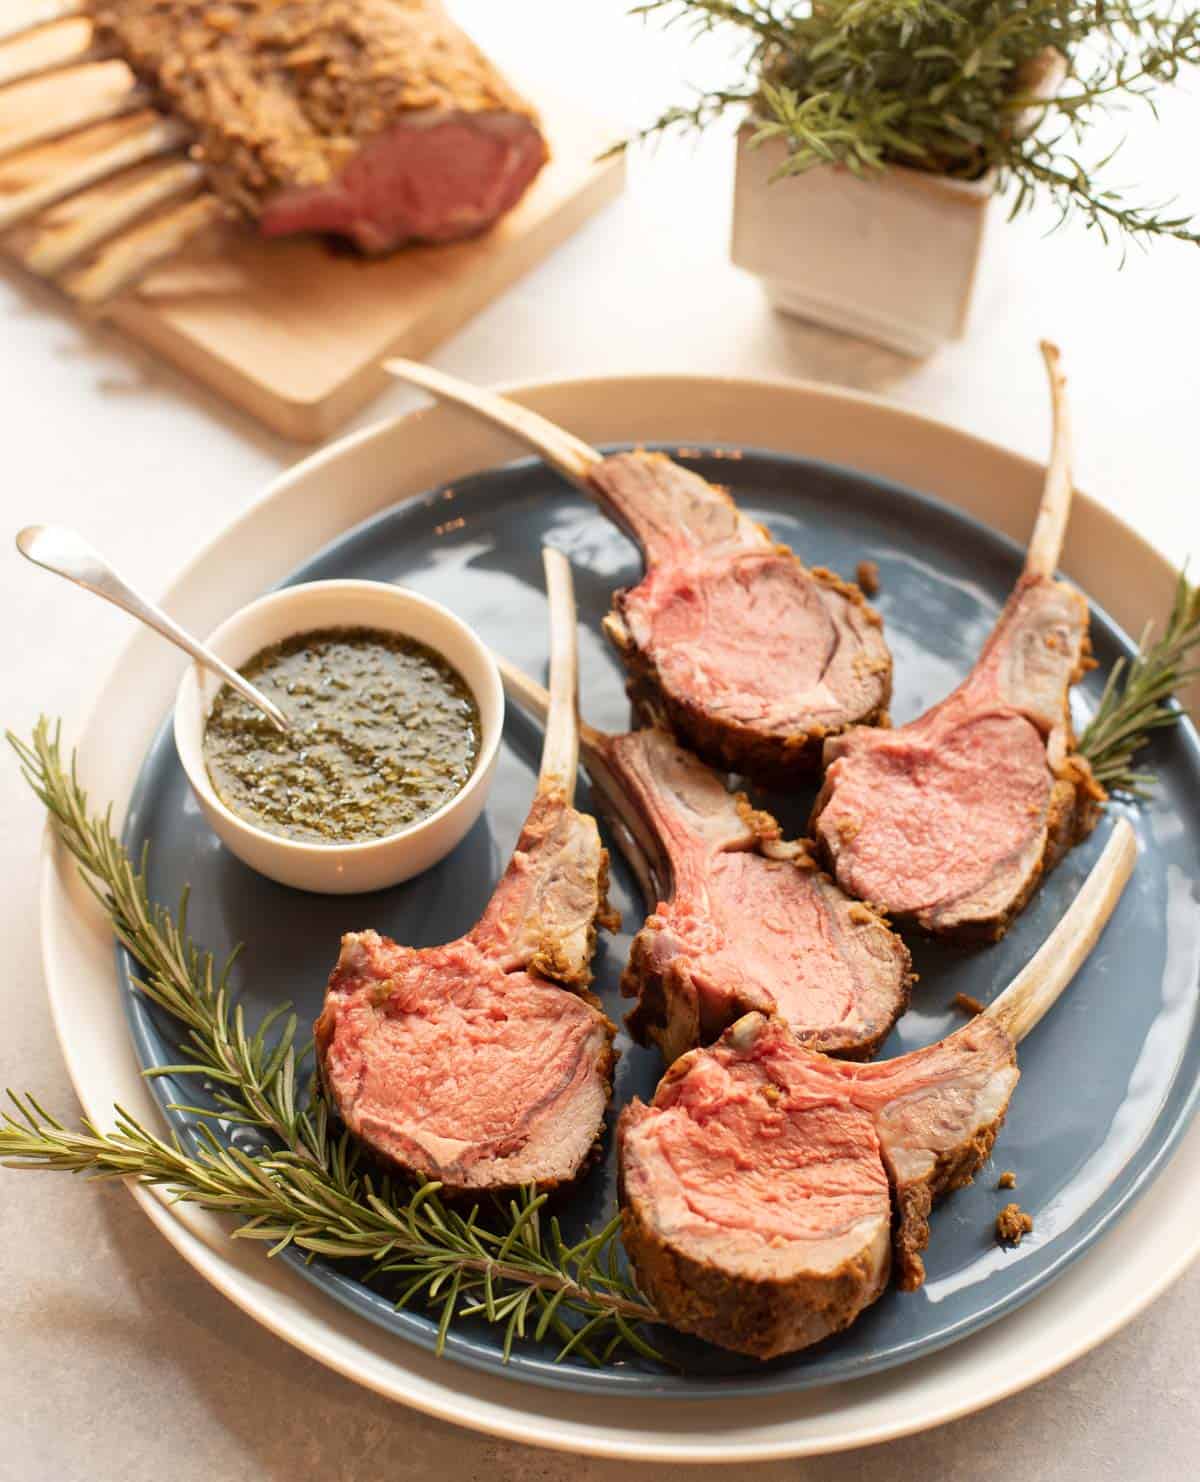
x,y
378,121
486,1063
752,657
951,821
767,1191
740,919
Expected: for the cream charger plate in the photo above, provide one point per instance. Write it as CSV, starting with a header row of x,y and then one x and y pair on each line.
x,y
359,477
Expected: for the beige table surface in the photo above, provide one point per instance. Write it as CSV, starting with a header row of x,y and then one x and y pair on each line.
x,y
117,1363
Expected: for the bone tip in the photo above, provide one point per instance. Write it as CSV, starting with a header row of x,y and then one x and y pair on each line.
x,y
555,563
1127,844
26,540
1117,861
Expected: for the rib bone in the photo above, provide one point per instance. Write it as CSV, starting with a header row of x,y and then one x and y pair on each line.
x,y
16,70
160,137
64,46
638,845
1046,543
77,108
128,258
1032,992
64,236
560,753
28,15
570,455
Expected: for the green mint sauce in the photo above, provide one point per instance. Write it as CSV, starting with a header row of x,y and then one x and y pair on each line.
x,y
384,731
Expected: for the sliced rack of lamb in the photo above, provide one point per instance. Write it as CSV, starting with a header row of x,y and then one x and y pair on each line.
x,y
753,657
951,821
486,1063
767,1191
375,120
740,919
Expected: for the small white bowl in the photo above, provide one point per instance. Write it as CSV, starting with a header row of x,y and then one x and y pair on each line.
x,y
343,869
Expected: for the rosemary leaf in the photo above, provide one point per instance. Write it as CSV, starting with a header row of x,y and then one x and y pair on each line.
x,y
1138,697
299,1187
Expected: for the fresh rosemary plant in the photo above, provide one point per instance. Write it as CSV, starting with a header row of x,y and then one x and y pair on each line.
x,y
957,87
1137,697
290,1180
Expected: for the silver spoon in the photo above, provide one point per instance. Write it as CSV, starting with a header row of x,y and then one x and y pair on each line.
x,y
67,554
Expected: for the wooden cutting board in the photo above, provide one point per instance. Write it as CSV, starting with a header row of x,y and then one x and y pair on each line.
x,y
293,331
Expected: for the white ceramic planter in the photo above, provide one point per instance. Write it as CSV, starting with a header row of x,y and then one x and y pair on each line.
x,y
892,258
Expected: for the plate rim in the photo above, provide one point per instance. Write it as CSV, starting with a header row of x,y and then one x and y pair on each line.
x,y
223,1272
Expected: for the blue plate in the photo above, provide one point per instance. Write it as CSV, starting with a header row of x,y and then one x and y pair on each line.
x,y
1109,1079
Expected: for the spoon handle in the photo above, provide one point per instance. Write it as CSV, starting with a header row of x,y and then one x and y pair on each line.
x,y
67,554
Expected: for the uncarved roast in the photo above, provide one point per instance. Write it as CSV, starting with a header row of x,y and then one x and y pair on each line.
x,y
377,120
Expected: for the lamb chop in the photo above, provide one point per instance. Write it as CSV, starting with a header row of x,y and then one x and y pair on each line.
x,y
375,120
486,1063
951,821
740,919
767,1191
753,657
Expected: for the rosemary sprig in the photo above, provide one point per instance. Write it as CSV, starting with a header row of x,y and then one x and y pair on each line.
x,y
1137,696
253,1076
954,89
515,1276
300,1185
